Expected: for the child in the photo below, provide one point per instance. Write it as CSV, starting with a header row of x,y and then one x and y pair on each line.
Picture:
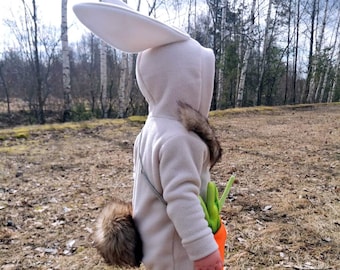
x,y
171,163
174,232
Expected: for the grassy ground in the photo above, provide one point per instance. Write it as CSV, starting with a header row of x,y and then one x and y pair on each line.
x,y
283,212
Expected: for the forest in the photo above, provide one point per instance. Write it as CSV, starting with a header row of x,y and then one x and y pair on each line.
x,y
271,52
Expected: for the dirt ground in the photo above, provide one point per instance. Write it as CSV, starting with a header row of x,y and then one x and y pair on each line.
x,y
283,212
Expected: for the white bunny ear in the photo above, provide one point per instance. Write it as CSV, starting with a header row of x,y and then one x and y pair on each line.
x,y
120,26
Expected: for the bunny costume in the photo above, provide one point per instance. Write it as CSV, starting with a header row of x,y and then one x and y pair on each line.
x,y
176,161
171,163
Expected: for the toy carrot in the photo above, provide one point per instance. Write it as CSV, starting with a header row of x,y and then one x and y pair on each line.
x,y
212,208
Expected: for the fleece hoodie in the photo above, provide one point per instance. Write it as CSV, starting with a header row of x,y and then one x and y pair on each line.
x,y
176,161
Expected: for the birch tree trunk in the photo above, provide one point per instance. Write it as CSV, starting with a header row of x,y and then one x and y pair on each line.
x,y
319,42
335,82
92,76
122,91
220,82
323,83
66,63
103,79
322,86
242,80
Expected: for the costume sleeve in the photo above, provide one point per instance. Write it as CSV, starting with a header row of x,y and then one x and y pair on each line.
x,y
181,162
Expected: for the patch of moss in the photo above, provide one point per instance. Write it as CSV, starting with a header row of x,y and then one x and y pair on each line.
x,y
24,132
17,133
268,109
219,113
137,118
80,249
22,135
15,149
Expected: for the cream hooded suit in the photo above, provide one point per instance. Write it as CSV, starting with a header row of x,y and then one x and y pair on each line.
x,y
175,160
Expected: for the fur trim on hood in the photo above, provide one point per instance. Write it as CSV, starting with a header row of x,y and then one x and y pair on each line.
x,y
194,121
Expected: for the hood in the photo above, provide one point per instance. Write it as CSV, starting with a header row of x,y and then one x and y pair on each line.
x,y
181,71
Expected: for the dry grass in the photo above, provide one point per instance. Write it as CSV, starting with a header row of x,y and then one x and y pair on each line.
x,y
283,213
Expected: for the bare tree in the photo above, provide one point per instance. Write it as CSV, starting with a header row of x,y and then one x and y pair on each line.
x,y
215,14
336,79
307,89
296,50
220,70
103,79
35,44
245,62
6,88
318,53
288,51
127,66
66,63
264,57
320,90
92,72
124,85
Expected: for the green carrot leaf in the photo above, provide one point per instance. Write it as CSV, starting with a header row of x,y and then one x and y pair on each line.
x,y
226,191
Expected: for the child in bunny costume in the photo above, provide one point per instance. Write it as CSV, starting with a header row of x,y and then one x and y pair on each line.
x,y
175,234
171,159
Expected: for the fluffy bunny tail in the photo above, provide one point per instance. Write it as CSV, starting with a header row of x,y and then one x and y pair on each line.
x,y
116,236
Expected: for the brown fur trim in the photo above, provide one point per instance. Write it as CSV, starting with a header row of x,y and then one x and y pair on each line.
x,y
194,121
116,236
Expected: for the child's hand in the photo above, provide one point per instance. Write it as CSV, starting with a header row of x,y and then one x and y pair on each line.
x,y
211,262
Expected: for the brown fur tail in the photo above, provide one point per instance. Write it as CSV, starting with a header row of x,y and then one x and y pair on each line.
x,y
194,121
116,236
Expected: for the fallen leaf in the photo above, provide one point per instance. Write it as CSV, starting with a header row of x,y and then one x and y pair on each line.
x,y
70,243
52,251
66,209
40,209
267,208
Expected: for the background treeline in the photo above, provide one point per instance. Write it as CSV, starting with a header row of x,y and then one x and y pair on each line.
x,y
270,52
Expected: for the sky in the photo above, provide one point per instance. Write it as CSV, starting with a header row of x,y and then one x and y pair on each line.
x,y
50,14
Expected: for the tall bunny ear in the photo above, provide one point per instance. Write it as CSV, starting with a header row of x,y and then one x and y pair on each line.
x,y
125,29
